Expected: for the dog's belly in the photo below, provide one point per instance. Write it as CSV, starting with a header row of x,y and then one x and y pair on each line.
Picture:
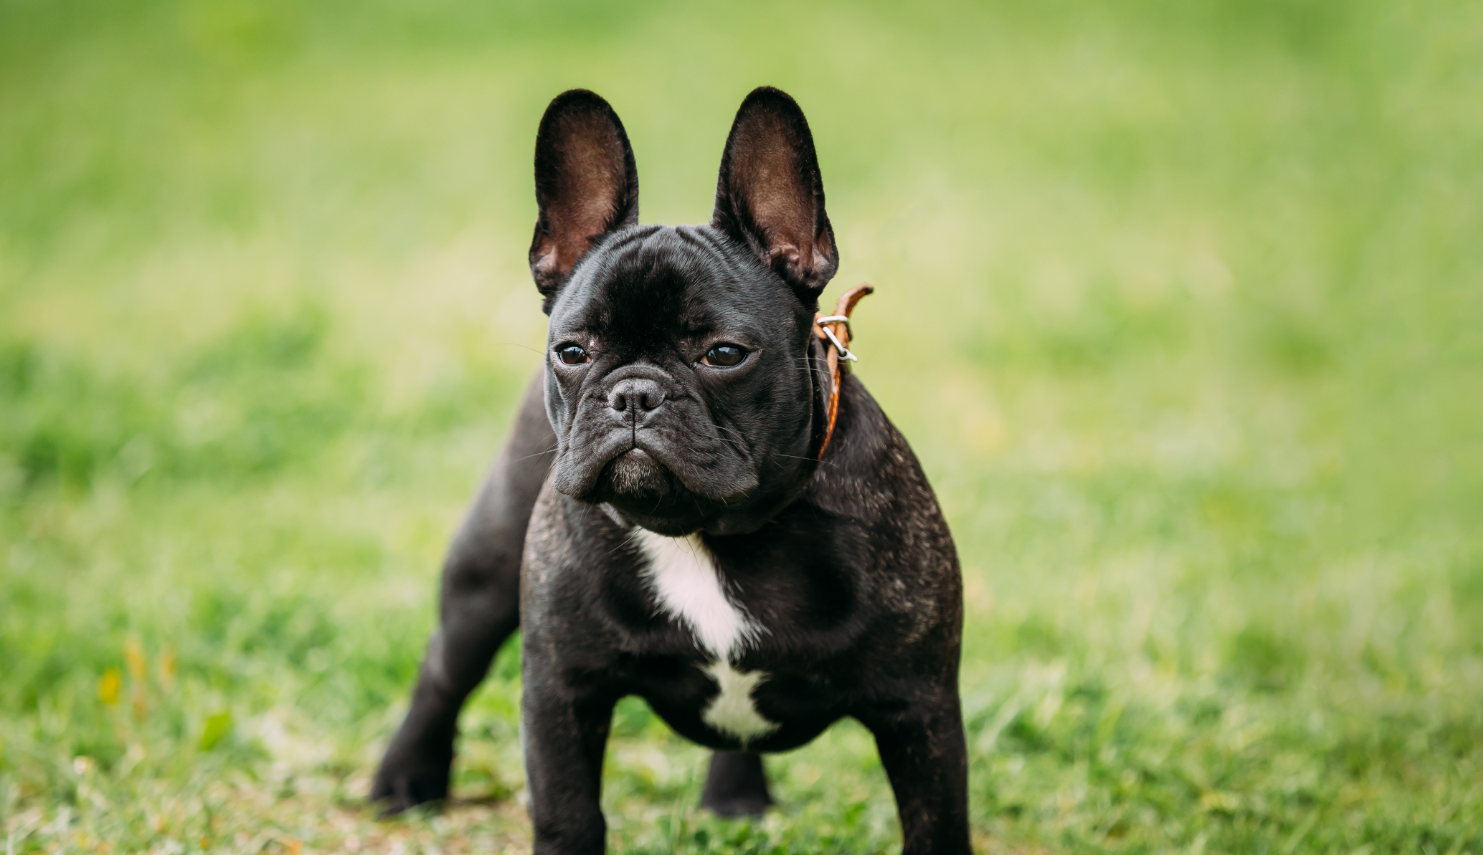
x,y
719,706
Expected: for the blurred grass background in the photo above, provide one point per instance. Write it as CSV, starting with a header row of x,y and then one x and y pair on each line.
x,y
1180,303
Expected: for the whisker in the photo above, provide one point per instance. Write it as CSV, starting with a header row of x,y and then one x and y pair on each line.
x,y
550,450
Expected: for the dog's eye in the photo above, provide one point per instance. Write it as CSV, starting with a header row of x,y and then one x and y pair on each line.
x,y
572,354
724,355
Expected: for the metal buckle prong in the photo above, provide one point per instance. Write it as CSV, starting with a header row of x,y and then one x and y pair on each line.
x,y
843,351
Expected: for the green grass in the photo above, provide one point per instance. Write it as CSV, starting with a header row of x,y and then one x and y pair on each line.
x,y
1180,303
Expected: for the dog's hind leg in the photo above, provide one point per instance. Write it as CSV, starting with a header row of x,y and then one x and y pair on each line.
x,y
478,610
736,785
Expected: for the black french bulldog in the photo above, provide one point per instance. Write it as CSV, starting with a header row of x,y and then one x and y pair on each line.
x,y
688,542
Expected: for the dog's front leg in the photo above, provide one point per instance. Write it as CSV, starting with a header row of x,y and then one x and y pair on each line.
x,y
925,755
564,730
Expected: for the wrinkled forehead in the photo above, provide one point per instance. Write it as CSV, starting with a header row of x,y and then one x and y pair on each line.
x,y
653,283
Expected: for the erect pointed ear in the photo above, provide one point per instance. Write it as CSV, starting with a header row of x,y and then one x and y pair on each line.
x,y
770,194
586,184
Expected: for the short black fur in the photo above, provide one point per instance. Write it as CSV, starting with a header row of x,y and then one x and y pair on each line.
x,y
631,433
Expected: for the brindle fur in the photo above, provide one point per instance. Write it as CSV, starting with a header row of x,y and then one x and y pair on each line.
x,y
846,563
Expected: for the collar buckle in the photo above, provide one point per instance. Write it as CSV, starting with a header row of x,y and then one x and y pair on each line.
x,y
835,329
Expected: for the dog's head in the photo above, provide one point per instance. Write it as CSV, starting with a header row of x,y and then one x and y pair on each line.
x,y
679,380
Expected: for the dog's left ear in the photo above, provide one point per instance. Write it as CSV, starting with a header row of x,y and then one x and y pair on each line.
x,y
770,195
586,185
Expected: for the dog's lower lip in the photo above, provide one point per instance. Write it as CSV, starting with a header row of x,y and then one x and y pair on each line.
x,y
636,472
637,456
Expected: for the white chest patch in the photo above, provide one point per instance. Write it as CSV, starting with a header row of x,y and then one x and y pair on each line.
x,y
684,580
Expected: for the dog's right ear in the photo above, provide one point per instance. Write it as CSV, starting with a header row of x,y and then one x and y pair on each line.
x,y
770,195
586,185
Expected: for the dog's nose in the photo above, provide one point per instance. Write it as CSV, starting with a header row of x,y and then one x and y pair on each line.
x,y
635,397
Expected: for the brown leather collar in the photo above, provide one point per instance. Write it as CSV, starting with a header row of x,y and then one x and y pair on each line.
x,y
834,331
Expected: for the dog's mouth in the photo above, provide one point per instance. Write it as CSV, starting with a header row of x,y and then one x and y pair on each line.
x,y
652,484
636,474
642,490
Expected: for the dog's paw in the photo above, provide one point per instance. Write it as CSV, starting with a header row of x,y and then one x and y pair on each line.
x,y
404,783
737,806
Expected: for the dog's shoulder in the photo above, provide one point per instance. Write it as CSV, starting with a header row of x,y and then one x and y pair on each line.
x,y
871,472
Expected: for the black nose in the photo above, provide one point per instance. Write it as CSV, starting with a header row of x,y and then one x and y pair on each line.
x,y
635,397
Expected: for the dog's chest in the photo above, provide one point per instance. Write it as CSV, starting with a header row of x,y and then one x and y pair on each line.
x,y
686,585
